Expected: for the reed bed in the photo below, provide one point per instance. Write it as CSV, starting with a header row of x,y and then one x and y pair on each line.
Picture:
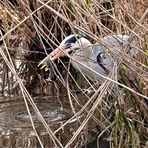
x,y
29,30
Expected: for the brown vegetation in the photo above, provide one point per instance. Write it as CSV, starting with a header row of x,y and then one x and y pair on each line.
x,y
30,29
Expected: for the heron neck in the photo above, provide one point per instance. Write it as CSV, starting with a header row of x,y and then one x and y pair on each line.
x,y
83,54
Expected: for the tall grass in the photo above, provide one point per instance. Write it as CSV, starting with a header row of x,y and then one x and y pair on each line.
x,y
32,29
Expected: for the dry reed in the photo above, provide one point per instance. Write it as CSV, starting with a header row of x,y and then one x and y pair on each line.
x,y
32,29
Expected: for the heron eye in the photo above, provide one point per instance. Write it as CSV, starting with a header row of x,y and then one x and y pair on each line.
x,y
68,44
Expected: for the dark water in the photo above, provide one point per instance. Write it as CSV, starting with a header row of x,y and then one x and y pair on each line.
x,y
15,126
16,129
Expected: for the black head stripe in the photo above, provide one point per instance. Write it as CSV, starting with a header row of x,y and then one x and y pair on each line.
x,y
73,39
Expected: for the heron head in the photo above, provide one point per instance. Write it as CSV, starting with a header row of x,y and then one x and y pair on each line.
x,y
69,45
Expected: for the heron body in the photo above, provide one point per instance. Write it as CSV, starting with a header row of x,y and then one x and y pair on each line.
x,y
86,56
95,59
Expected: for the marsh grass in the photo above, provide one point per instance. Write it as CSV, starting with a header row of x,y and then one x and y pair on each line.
x,y
32,29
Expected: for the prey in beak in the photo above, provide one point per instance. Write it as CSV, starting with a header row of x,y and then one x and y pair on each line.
x,y
58,52
44,62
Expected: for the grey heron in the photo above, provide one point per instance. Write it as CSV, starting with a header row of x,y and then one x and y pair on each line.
x,y
85,54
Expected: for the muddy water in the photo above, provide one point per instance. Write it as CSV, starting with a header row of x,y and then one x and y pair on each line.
x,y
15,125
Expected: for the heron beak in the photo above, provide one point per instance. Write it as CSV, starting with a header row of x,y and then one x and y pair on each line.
x,y
57,53
60,51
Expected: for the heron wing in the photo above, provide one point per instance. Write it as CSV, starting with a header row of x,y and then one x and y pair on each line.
x,y
102,59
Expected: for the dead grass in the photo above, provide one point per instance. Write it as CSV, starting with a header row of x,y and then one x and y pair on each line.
x,y
32,29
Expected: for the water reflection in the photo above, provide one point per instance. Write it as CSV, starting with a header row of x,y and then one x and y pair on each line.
x,y
13,112
15,125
